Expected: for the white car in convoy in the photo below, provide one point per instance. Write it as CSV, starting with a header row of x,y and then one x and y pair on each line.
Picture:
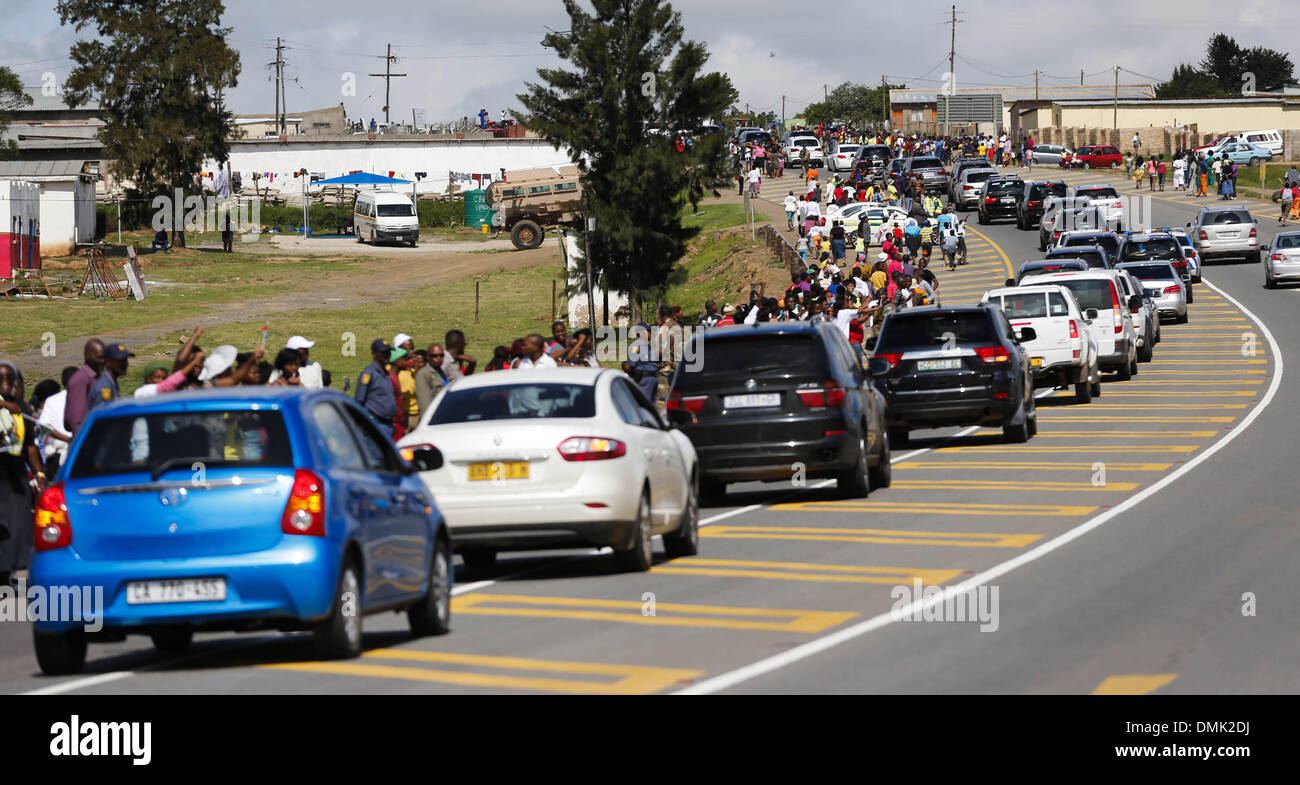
x,y
879,217
1105,197
1064,349
841,156
558,458
1117,340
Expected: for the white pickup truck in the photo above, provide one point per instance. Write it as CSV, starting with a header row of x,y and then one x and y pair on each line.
x,y
1064,351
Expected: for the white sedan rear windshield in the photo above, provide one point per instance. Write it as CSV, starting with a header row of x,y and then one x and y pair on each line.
x,y
516,402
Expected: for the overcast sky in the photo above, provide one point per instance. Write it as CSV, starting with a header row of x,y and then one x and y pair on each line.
x,y
461,55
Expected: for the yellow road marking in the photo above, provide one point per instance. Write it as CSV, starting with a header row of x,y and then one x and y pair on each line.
x,y
798,571
1075,448
1139,684
1216,353
1248,371
1174,393
1011,273
1243,361
631,679
881,536
936,508
1124,418
1034,466
1119,434
668,614
1009,485
1152,406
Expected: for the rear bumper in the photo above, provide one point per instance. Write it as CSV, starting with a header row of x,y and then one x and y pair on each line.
x,y
293,581
1117,360
543,536
934,414
768,461
1220,249
1060,373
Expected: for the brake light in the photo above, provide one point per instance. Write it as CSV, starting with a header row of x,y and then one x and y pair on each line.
x,y
831,394
53,529
1277,257
1173,289
408,453
993,354
305,512
989,200
1204,235
1114,297
1182,263
591,448
691,403
1032,204
1254,232
943,171
1056,236
894,358
1074,329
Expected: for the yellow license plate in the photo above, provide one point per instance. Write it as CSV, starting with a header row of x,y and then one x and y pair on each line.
x,y
1036,361
499,470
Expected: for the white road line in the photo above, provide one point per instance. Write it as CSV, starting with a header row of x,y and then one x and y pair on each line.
x,y
76,684
798,653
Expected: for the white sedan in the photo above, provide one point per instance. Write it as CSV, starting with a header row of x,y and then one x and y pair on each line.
x,y
558,458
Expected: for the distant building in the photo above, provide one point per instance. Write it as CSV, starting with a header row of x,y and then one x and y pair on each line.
x,y
50,130
314,122
917,110
20,221
67,201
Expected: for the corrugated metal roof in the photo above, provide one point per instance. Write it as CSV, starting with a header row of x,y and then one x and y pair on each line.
x,y
51,103
40,168
1173,101
1017,93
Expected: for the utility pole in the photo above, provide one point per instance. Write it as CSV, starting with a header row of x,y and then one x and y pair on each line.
x,y
1115,114
279,81
1035,86
1081,77
884,103
825,95
782,113
388,76
952,76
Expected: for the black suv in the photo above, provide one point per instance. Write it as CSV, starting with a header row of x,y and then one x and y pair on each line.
x,y
960,365
872,160
767,396
1033,196
1094,255
1048,266
1106,241
1155,246
998,199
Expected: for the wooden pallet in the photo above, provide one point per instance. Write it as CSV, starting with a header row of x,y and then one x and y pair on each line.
x,y
100,278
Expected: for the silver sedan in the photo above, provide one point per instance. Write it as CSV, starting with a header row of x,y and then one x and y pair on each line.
x,y
1166,288
1282,260
1049,154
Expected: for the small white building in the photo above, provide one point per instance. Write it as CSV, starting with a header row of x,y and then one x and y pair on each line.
x,y
67,194
20,222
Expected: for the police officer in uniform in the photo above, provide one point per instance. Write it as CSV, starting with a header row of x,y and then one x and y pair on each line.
x,y
374,389
104,390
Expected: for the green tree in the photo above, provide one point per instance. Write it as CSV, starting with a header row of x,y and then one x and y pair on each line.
x,y
1187,82
12,96
856,104
158,69
1236,69
631,71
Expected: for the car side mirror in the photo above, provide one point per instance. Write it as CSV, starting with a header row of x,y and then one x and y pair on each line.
x,y
1090,314
1186,277
1135,302
1010,282
679,417
870,343
1028,334
426,459
878,366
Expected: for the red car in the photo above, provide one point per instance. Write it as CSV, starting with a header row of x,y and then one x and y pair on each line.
x,y
1093,157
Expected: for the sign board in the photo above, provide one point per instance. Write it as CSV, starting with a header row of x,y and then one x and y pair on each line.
x,y
139,273
968,109
136,283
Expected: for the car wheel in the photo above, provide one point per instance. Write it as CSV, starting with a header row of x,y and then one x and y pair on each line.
x,y
640,557
172,640
1083,392
526,235
60,653
1133,365
1189,295
898,437
360,238
1254,161
432,614
1269,283
686,540
1146,351
338,637
413,243
1096,386
853,484
1114,165
712,492
883,473
1181,318
1254,258
479,558
1123,374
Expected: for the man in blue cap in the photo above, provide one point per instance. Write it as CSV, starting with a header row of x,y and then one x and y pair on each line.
x,y
104,390
375,389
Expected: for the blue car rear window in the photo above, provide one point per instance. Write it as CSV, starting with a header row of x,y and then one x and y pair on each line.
x,y
164,441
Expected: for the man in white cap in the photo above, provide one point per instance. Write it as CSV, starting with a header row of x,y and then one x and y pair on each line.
x,y
218,368
404,341
309,373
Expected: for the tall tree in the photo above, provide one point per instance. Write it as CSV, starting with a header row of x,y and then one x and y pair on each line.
x,y
1228,70
12,96
631,71
157,68
1187,82
1222,62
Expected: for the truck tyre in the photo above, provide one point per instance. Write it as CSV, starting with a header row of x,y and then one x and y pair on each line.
x,y
526,235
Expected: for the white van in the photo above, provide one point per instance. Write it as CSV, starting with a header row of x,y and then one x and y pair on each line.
x,y
1113,326
1269,140
385,216
1064,349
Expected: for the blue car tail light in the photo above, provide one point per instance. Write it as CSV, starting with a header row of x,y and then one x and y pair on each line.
x,y
53,529
305,511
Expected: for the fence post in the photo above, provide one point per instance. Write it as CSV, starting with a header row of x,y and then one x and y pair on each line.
x,y
476,283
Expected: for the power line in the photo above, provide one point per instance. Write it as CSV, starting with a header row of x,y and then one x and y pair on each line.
x,y
388,76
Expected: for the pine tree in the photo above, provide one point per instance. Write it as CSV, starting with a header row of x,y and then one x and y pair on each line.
x,y
157,68
633,82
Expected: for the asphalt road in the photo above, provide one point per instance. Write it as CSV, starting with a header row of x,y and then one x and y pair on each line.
x,y
1133,584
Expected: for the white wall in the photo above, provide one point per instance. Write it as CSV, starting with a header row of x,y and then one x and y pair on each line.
x,y
59,218
405,157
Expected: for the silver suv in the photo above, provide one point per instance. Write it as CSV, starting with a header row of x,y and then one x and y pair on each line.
x,y
1225,230
934,176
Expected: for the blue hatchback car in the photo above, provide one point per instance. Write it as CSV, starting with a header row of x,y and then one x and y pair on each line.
x,y
243,509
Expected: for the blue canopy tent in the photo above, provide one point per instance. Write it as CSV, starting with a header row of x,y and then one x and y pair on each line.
x,y
356,179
